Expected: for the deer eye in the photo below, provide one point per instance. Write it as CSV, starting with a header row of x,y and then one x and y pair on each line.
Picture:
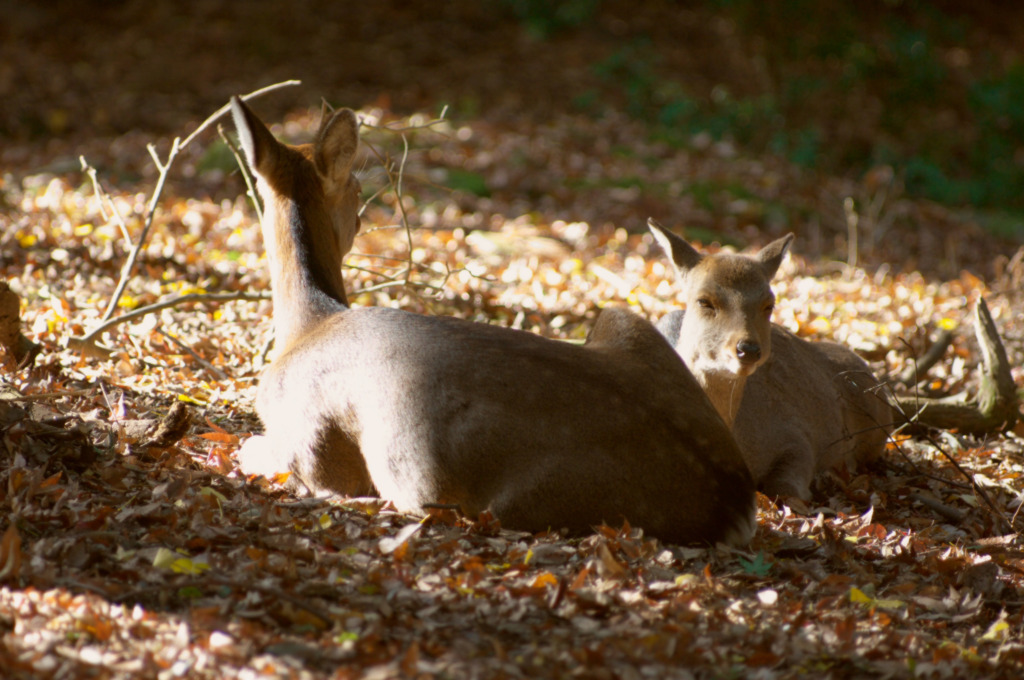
x,y
769,307
705,303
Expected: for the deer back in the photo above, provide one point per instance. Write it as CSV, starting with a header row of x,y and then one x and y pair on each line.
x,y
541,433
811,408
802,408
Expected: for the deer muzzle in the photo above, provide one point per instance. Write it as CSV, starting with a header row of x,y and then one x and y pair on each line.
x,y
748,352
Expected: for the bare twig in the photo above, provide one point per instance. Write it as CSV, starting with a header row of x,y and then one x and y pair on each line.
x,y
852,219
974,485
181,345
995,408
398,283
410,128
219,113
88,342
133,254
104,198
952,514
250,186
47,396
913,373
395,179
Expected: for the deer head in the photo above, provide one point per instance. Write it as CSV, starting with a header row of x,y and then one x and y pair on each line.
x,y
309,184
726,332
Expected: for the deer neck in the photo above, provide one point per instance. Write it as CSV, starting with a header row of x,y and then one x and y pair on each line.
x,y
305,271
725,390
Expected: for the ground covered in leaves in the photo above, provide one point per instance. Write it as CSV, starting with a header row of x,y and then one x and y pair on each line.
x,y
132,546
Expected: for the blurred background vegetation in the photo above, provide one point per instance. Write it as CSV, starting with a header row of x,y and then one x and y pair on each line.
x,y
931,92
933,89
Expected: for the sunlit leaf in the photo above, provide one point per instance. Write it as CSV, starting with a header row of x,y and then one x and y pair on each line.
x,y
999,630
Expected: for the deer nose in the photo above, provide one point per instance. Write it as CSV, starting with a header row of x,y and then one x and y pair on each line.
x,y
748,352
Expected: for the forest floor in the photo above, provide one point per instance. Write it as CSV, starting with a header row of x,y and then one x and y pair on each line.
x,y
132,546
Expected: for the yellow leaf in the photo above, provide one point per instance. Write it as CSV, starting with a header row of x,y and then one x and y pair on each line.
x,y
997,631
860,597
178,563
184,565
685,579
857,595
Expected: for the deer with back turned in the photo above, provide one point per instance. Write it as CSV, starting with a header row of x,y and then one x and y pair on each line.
x,y
797,408
430,410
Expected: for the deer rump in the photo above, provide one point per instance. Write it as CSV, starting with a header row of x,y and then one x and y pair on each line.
x,y
542,433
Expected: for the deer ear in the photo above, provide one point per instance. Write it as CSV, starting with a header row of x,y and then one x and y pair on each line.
x,y
336,144
771,255
684,257
257,141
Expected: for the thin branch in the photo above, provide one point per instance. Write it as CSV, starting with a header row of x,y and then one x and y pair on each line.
x,y
89,339
411,128
398,283
164,168
852,219
227,107
371,271
974,485
401,203
396,179
952,514
914,373
246,175
133,255
104,197
47,396
996,406
375,256
195,355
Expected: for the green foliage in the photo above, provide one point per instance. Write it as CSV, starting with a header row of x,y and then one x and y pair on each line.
x,y
542,18
217,156
954,133
632,71
467,181
758,566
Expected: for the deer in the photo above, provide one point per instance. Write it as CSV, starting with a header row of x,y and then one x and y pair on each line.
x,y
429,411
797,408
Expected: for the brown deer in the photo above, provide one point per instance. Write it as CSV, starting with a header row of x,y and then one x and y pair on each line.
x,y
797,408
437,410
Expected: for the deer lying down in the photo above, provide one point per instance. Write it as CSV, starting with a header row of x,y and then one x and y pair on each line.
x,y
429,410
796,408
